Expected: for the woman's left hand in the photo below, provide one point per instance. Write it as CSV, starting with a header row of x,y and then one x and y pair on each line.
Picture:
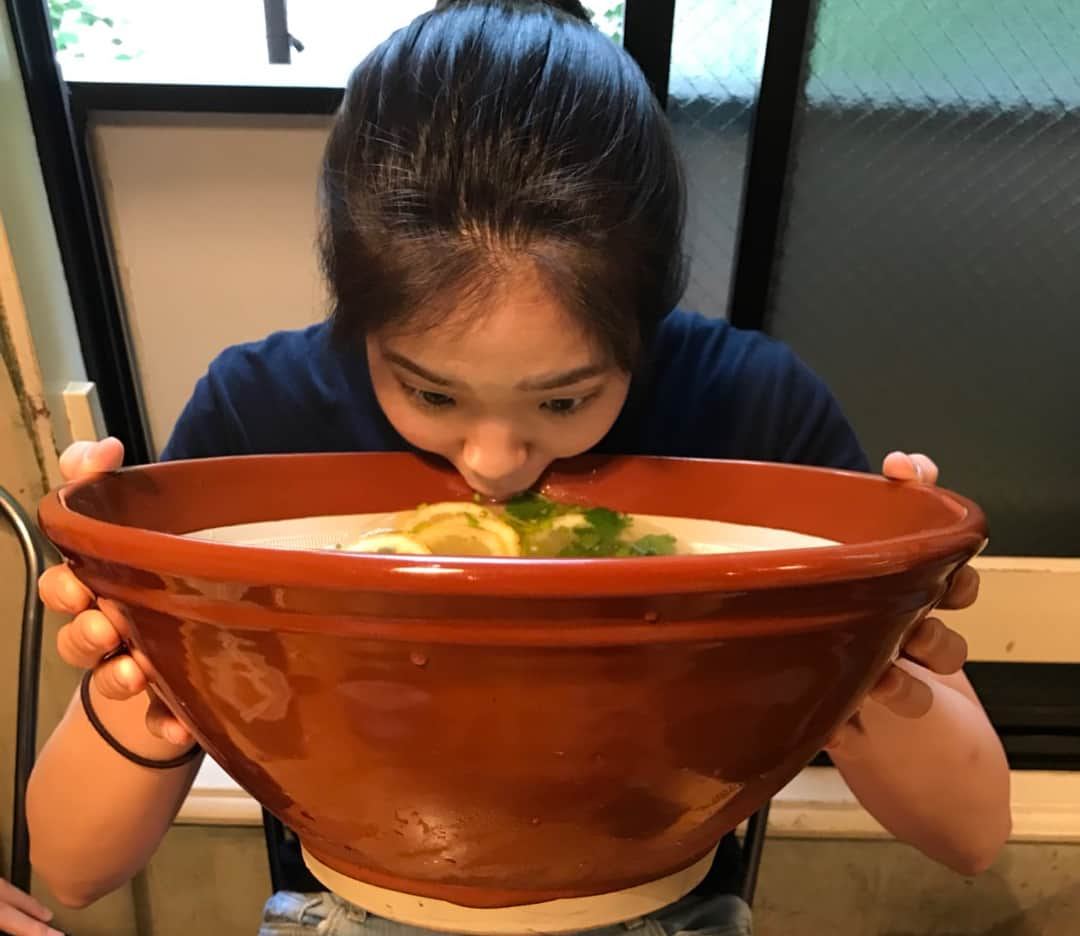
x,y
932,645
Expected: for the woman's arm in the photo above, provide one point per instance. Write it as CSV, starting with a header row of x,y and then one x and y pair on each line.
x,y
921,755
939,781
96,818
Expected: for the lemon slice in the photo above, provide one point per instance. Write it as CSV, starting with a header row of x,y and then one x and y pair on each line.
x,y
466,533
388,543
429,512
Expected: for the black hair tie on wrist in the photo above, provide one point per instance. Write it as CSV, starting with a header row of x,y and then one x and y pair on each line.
x,y
84,694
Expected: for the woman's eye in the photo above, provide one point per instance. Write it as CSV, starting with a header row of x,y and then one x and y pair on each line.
x,y
564,406
429,398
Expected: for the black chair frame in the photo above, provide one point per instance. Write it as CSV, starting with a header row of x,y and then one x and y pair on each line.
x,y
34,551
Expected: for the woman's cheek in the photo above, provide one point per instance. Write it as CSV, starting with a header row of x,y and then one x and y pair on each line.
x,y
578,435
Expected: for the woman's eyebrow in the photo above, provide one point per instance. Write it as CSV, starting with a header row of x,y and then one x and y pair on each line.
x,y
405,364
564,379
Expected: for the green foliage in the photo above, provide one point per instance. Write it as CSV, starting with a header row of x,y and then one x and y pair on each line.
x,y
611,20
531,508
72,19
600,534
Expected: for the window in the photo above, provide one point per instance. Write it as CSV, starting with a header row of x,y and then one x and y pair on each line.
x,y
717,53
209,42
928,265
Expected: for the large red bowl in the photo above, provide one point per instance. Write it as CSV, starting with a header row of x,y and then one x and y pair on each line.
x,y
500,732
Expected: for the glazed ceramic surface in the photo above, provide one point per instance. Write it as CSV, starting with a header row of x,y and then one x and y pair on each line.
x,y
496,732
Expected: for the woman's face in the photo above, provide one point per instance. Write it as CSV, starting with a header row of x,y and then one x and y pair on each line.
x,y
499,394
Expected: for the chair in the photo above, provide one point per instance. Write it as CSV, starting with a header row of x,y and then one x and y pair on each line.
x,y
33,548
752,847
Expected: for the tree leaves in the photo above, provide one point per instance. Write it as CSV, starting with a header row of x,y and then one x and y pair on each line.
x,y
70,20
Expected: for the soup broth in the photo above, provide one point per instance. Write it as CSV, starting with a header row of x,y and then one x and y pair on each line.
x,y
529,526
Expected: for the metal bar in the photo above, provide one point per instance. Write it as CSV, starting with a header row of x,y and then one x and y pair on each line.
x,y
753,846
274,833
79,229
33,550
89,97
278,43
765,182
647,34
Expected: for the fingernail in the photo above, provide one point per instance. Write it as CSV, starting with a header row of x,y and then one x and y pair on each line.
x,y
68,601
124,674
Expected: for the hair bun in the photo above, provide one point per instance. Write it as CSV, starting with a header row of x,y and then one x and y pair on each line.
x,y
572,8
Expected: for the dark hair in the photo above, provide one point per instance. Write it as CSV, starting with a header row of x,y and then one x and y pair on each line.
x,y
486,133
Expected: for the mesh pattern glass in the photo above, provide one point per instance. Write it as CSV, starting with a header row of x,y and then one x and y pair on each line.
x,y
929,267
718,48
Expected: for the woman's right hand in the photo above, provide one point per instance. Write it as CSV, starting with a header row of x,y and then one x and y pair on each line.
x,y
90,636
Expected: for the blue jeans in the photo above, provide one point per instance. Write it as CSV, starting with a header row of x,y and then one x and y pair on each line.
x,y
292,914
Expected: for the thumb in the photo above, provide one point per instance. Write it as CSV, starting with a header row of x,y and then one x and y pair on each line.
x,y
85,459
106,455
900,466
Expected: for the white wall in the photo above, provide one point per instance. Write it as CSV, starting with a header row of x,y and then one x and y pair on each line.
x,y
214,224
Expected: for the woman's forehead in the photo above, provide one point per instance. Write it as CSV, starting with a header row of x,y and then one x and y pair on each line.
x,y
508,346
517,315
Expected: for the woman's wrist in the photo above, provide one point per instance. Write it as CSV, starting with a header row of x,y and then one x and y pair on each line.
x,y
124,722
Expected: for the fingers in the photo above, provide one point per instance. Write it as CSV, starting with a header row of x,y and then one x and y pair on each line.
x,y
119,678
937,647
61,591
22,915
85,459
18,923
13,897
85,640
963,591
903,694
162,723
90,637
900,466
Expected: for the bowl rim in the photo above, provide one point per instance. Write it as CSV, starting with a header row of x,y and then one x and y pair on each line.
x,y
479,577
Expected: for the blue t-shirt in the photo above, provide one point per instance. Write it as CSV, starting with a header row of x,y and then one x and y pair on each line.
x,y
708,391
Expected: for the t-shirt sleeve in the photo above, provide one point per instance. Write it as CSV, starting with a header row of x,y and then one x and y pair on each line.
x,y
209,426
815,429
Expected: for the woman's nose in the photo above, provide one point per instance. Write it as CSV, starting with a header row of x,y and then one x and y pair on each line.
x,y
493,451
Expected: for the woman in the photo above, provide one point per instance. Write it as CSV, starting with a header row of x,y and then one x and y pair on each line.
x,y
503,215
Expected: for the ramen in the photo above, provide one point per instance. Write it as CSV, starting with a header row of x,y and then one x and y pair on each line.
x,y
530,525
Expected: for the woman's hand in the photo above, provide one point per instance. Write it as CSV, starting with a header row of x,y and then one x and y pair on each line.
x,y
22,915
91,636
932,645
